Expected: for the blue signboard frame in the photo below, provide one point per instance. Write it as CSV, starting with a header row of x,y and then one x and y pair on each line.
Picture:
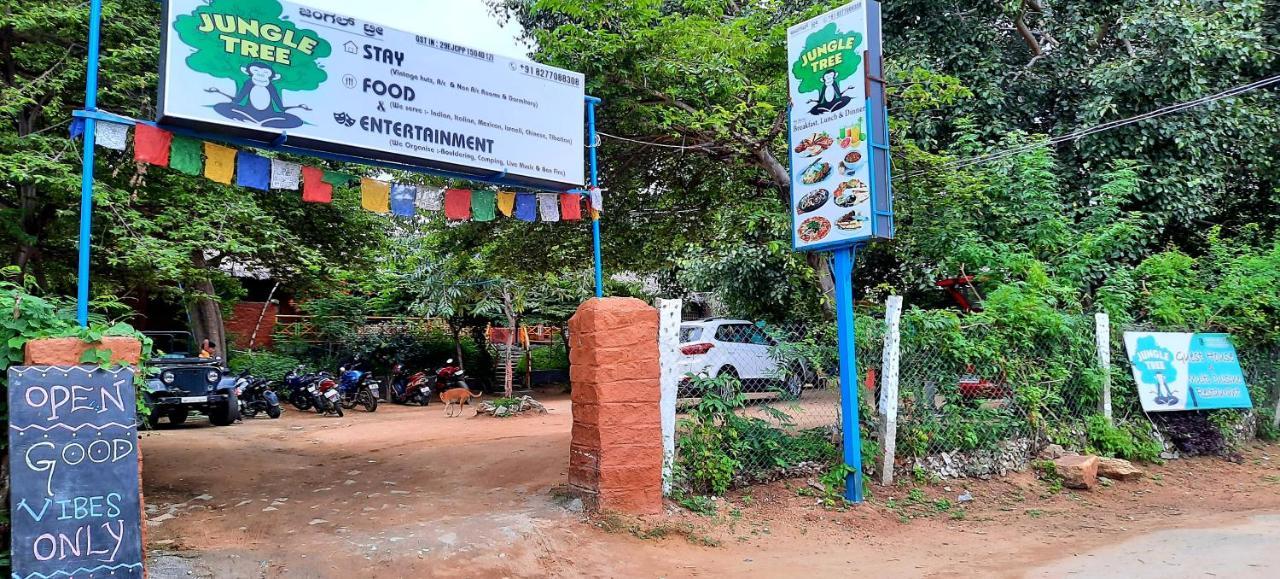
x,y
279,143
844,251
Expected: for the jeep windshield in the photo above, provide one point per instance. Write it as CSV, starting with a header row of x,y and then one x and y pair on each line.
x,y
171,345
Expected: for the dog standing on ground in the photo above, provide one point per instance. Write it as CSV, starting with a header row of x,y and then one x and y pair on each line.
x,y
457,396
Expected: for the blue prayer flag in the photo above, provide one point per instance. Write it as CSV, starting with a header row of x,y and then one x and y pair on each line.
x,y
77,128
253,171
526,207
402,199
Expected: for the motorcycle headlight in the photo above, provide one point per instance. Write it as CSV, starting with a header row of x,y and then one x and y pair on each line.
x,y
213,376
167,378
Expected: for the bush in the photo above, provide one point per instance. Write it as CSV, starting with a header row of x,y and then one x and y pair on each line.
x,y
1127,441
263,364
716,446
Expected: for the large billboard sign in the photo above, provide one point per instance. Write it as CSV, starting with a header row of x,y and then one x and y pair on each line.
x,y
1182,371
838,131
262,68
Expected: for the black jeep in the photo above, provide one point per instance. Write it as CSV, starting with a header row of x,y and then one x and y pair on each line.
x,y
184,381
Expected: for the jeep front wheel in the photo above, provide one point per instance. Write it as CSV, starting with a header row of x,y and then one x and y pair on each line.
x,y
226,413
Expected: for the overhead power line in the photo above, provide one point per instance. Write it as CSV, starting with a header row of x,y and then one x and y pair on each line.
x,y
1081,133
1072,136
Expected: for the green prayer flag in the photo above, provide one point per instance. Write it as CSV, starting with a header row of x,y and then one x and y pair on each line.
x,y
482,205
186,155
338,179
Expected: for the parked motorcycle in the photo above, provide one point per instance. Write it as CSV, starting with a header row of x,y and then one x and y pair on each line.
x,y
256,395
450,376
415,389
325,396
295,387
357,386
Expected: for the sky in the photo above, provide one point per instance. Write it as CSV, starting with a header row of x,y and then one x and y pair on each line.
x,y
465,22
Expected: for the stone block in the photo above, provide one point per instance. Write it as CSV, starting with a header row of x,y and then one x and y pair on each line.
x,y
597,356
1078,472
630,476
645,390
630,370
637,501
604,313
1118,469
67,351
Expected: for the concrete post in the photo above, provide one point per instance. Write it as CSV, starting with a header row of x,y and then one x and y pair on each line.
x,y
668,356
615,457
889,388
1102,332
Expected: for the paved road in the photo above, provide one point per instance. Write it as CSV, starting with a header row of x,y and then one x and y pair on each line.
x,y
1244,550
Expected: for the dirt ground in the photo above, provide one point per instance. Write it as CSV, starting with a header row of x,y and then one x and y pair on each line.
x,y
406,492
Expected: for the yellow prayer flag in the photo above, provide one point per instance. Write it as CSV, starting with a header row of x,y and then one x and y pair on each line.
x,y
220,163
375,195
506,202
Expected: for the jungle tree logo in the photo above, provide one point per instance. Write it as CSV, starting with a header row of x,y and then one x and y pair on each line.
x,y
1155,367
251,43
829,56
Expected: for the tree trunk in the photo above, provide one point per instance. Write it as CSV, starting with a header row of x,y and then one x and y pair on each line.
x,y
457,344
509,311
486,360
206,313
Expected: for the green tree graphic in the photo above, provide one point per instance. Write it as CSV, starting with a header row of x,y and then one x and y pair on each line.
x,y
211,57
851,53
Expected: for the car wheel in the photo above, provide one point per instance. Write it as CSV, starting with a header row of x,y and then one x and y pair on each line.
x,y
727,390
227,413
178,417
153,419
793,384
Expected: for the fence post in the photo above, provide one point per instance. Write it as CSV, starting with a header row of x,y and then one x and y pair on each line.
x,y
668,356
889,388
1102,327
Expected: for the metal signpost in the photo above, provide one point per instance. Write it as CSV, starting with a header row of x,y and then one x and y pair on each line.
x,y
244,87
840,188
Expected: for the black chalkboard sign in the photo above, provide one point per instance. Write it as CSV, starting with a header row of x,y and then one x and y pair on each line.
x,y
73,459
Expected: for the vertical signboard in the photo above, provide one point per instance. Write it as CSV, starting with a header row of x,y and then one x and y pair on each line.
x,y
1183,371
840,193
73,461
263,68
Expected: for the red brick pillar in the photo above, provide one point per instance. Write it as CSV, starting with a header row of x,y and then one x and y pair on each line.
x,y
616,454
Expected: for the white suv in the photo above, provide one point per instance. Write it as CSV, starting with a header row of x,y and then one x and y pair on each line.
x,y
715,347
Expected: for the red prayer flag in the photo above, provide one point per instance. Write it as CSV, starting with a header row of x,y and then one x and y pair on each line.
x,y
151,145
570,206
457,204
314,188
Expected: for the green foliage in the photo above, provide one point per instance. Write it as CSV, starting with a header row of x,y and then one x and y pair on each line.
x,y
553,357
717,446
700,504
263,364
1129,441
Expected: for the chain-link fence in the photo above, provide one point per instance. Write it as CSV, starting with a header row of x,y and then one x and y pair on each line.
x,y
762,401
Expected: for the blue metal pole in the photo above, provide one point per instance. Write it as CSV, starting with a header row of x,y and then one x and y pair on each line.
x,y
595,215
842,270
86,170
